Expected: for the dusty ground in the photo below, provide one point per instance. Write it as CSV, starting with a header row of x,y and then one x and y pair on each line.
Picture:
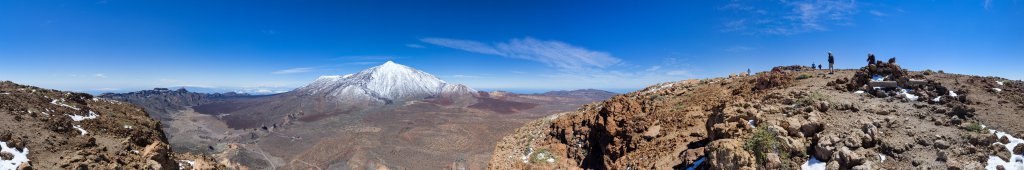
x,y
289,132
106,134
778,121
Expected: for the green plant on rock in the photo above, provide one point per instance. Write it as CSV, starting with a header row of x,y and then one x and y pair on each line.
x,y
811,99
541,155
975,127
762,143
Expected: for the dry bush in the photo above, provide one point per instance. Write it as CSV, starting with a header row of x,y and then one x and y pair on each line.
x,y
774,78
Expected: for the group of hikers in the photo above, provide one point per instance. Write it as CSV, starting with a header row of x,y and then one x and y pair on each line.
x,y
831,63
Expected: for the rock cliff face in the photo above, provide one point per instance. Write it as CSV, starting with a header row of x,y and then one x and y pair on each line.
x,y
788,118
49,129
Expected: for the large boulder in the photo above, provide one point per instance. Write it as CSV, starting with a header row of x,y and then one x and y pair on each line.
x,y
848,158
825,146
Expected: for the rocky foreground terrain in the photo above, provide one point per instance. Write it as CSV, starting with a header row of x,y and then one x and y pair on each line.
x,y
876,117
50,129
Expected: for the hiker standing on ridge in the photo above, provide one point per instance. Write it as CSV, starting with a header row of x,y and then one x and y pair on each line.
x,y
831,63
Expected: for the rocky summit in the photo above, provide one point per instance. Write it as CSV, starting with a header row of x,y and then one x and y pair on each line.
x,y
50,129
878,117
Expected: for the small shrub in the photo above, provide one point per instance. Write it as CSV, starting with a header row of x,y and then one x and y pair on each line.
x,y
975,127
942,72
928,72
762,143
774,78
811,99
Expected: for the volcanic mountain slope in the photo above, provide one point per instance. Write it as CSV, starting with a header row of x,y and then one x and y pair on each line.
x,y
49,129
388,116
386,83
788,118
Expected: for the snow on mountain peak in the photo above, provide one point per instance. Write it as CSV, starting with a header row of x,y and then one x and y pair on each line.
x,y
389,81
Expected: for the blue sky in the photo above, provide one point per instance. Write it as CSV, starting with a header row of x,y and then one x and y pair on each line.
x,y
533,46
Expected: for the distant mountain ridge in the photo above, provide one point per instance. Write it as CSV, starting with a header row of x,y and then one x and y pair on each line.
x,y
160,101
581,93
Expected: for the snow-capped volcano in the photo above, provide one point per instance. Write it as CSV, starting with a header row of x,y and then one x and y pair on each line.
x,y
388,82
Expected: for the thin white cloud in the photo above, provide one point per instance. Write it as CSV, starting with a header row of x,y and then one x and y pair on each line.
x,y
100,75
294,70
466,45
414,46
877,13
988,3
465,76
556,54
738,49
795,17
678,73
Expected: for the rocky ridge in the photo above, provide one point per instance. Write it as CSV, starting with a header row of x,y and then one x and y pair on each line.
x,y
787,118
63,130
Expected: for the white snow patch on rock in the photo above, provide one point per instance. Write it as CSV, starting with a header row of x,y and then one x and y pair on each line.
x,y
61,103
813,164
997,89
951,93
751,122
79,127
858,92
1016,161
18,159
999,83
91,115
191,163
906,95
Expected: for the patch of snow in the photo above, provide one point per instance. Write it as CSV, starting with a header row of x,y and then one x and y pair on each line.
x,y
937,99
751,122
951,93
526,157
858,92
1016,161
91,115
79,127
135,151
5,93
877,78
906,95
997,89
18,158
999,83
813,164
551,160
191,163
696,164
881,158
61,103
127,127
